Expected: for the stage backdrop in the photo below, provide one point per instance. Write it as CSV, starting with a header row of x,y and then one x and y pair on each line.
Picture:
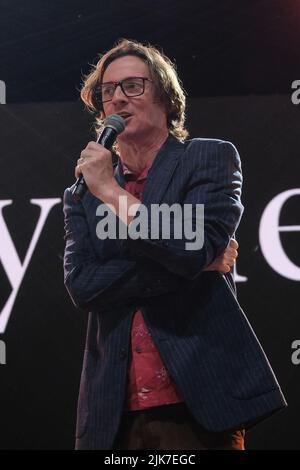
x,y
42,334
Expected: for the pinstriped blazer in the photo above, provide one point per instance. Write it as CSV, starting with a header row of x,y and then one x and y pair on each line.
x,y
196,322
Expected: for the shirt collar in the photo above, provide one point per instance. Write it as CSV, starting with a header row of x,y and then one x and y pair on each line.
x,y
131,176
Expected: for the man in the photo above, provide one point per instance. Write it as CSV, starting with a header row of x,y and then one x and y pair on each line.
x,y
171,362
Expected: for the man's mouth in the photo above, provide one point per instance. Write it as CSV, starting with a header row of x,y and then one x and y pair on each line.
x,y
125,115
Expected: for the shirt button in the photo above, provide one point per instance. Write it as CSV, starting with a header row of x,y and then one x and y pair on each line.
x,y
138,349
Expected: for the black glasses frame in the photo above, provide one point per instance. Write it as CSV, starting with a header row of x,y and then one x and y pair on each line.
x,y
98,92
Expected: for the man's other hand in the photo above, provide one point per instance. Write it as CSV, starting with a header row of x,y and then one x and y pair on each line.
x,y
226,260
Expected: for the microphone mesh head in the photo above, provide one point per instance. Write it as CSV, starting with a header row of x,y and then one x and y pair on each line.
x,y
116,122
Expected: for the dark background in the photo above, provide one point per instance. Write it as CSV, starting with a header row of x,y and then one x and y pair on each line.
x,y
237,60
221,47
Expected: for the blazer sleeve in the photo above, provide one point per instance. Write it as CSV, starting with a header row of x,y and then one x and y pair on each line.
x,y
93,283
215,181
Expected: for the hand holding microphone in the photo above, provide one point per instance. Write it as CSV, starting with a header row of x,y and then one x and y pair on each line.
x,y
113,126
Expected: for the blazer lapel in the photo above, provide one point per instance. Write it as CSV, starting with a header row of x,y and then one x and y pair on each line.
x,y
162,170
158,178
118,173
156,185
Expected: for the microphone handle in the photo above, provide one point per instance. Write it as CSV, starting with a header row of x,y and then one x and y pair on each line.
x,y
107,139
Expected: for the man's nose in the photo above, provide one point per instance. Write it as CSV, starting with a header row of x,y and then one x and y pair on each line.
x,y
119,95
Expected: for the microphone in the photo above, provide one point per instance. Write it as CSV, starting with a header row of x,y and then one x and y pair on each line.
x,y
113,126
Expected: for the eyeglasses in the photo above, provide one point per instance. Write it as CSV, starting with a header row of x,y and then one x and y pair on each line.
x,y
133,86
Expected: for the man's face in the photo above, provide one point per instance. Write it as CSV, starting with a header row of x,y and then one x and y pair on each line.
x,y
144,115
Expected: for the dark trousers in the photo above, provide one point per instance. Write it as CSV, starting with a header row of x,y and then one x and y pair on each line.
x,y
172,427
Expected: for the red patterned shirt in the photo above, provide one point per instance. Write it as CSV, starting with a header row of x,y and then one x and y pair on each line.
x,y
149,383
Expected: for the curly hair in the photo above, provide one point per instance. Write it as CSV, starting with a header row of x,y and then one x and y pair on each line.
x,y
168,88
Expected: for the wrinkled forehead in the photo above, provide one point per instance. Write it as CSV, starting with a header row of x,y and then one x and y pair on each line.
x,y
124,67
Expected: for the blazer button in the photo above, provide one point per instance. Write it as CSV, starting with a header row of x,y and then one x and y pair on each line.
x,y
123,353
